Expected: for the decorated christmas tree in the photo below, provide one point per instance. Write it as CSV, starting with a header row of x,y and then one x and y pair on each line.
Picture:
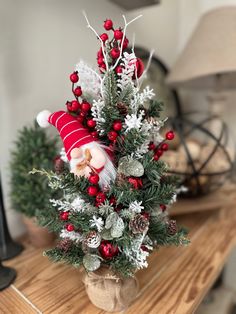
x,y
116,189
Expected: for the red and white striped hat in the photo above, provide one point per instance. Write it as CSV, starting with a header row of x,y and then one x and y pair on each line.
x,y
72,132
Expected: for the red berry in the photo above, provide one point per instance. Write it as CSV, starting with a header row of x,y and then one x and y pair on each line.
x,y
94,134
146,215
164,146
102,67
136,182
158,152
80,118
78,91
85,106
118,69
144,248
156,158
139,68
74,77
170,135
64,215
118,34
94,178
112,135
100,198
115,53
163,207
100,53
151,146
92,190
112,200
70,227
108,25
100,61
117,125
125,43
75,105
91,123
104,37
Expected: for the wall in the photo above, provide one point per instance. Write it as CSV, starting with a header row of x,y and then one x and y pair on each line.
x,y
41,41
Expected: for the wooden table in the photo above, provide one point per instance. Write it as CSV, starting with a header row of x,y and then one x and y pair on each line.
x,y
175,282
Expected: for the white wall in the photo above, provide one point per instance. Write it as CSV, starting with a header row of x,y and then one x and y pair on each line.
x,y
41,41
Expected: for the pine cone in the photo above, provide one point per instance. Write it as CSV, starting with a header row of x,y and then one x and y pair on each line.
x,y
172,227
138,224
64,244
123,109
92,239
58,165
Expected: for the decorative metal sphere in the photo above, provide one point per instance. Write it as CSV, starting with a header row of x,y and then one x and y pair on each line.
x,y
202,153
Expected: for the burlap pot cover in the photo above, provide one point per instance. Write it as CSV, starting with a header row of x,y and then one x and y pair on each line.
x,y
39,237
108,291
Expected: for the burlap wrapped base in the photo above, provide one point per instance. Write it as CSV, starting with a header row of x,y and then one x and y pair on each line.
x,y
108,291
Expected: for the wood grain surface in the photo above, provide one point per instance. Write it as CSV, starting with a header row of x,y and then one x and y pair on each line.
x,y
175,282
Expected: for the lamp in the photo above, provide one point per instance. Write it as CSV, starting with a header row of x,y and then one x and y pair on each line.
x,y
209,58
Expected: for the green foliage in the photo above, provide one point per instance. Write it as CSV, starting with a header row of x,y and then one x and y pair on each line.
x,y
154,109
33,148
73,256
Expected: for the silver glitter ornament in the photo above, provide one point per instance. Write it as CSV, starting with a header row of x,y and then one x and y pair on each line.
x,y
130,167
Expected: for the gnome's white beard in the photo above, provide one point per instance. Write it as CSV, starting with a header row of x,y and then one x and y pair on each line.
x,y
108,173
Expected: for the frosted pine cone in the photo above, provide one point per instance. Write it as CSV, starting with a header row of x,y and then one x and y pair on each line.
x,y
171,227
139,224
92,240
58,165
123,109
64,244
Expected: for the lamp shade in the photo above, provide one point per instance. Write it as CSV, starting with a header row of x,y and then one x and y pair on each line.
x,y
210,53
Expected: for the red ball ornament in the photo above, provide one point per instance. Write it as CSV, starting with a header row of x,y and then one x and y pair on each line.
x,y
100,198
118,34
94,178
151,146
77,91
164,146
108,24
94,134
117,125
163,207
136,183
91,123
108,250
170,135
112,135
115,53
74,77
104,37
70,227
85,106
156,157
92,190
139,68
118,69
64,215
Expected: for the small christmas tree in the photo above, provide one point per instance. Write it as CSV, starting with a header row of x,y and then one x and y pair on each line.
x,y
117,191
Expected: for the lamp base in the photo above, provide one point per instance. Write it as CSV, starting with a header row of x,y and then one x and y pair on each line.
x,y
11,250
7,276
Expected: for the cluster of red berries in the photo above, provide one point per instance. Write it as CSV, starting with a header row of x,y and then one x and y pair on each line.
x,y
81,109
163,147
116,128
115,45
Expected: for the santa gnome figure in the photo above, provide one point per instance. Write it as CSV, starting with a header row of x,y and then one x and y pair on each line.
x,y
85,155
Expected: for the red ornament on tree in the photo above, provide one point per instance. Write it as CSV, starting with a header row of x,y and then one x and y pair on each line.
x,y
100,198
151,146
74,77
100,61
104,37
92,190
118,69
125,43
73,105
108,250
70,227
77,91
170,135
94,178
164,146
118,34
117,125
112,135
100,53
136,182
115,53
102,67
112,200
91,123
85,106
163,207
108,24
146,215
94,134
156,157
139,68
64,215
